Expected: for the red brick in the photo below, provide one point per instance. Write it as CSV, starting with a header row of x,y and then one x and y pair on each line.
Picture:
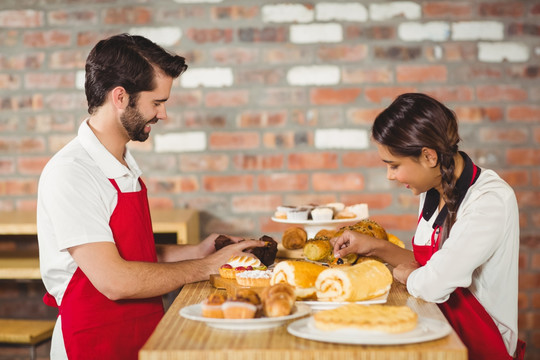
x,y
215,35
90,38
9,38
186,98
286,55
536,135
67,59
283,182
500,93
258,162
328,96
49,81
502,9
456,52
363,115
529,281
283,96
323,116
233,98
515,178
172,15
529,72
339,53
357,159
267,34
372,75
309,198
405,222
535,178
63,101
127,15
236,140
7,166
160,202
204,162
72,17
524,113
46,39
232,183
287,139
357,32
268,226
196,120
421,74
255,203
234,12
31,165
408,201
307,161
397,53
172,184
22,102
523,157
22,145
473,71
238,226
478,114
535,9
10,82
386,94
503,136
234,55
20,187
21,19
523,301
22,61
374,201
262,119
447,94
528,198
535,220
337,182
447,9
259,76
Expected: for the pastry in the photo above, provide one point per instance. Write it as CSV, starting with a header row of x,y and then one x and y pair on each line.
x,y
324,234
345,214
300,274
349,259
391,319
367,227
322,213
283,211
227,270
278,300
395,240
266,254
362,281
212,306
294,238
319,250
244,304
222,241
257,278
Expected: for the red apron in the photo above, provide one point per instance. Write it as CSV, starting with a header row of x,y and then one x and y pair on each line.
x,y
474,326
95,327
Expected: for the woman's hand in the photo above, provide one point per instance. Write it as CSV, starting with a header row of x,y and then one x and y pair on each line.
x,y
402,271
353,242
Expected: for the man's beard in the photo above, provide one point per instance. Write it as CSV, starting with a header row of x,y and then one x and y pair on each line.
x,y
134,123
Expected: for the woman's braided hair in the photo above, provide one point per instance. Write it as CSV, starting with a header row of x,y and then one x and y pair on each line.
x,y
415,121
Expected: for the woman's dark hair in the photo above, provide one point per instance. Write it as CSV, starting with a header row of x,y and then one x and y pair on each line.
x,y
127,61
414,121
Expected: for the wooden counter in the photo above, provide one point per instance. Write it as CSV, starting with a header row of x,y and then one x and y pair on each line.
x,y
176,338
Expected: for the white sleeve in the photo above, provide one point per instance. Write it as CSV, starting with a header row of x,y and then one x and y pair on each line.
x,y
477,233
72,201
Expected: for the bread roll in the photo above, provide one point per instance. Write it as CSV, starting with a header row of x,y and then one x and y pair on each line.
x,y
294,238
362,281
319,250
300,274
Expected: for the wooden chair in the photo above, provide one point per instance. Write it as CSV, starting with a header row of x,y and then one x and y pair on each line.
x,y
26,332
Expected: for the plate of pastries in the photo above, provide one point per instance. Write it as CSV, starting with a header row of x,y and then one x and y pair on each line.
x,y
320,214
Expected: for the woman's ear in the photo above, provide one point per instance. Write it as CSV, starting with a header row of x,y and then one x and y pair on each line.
x,y
119,97
430,156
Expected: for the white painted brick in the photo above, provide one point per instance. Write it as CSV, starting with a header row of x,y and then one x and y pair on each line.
x,y
501,51
477,30
283,13
438,52
341,139
316,33
164,36
80,78
341,12
180,142
313,75
434,31
207,77
407,9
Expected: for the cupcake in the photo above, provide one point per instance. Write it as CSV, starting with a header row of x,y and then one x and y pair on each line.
x,y
245,304
360,210
283,211
212,306
336,206
322,213
299,214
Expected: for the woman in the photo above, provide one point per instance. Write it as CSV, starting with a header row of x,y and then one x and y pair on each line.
x,y
466,245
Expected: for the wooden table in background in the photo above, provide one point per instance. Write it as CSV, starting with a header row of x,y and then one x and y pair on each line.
x,y
177,338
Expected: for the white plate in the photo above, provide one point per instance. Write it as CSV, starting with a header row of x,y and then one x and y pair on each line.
x,y
194,312
313,222
426,330
325,305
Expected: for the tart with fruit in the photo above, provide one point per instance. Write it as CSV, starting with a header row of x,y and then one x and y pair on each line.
x,y
238,264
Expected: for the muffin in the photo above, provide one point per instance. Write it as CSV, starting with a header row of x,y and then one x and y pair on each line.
x,y
322,213
212,306
245,304
299,214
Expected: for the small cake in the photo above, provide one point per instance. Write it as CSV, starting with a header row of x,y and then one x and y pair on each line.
x,y
245,304
212,306
227,270
299,214
345,214
360,210
283,211
322,213
336,206
257,278
294,238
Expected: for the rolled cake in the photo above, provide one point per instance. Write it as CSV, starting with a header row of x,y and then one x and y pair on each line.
x,y
362,281
300,274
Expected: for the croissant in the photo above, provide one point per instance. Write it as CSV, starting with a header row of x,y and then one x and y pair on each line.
x,y
278,300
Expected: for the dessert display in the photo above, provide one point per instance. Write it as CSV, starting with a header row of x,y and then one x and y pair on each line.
x,y
237,264
391,319
363,281
278,300
212,306
300,274
256,278
294,238
266,254
321,213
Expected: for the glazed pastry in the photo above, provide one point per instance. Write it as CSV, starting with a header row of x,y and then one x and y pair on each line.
x,y
362,281
319,250
300,274
294,238
395,240
387,318
212,306
278,300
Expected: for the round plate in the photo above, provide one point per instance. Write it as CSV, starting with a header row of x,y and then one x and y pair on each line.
x,y
194,312
426,330
319,223
317,305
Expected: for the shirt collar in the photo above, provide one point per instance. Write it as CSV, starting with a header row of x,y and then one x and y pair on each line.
x,y
111,167
462,185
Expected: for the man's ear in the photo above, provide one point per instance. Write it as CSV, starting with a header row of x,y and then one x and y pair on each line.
x,y
119,97
430,156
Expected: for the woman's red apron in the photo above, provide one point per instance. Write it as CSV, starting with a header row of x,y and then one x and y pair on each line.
x,y
95,327
467,316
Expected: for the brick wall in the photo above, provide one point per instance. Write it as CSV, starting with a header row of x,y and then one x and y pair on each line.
x,y
278,101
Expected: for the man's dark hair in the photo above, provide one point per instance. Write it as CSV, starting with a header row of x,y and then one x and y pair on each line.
x,y
129,61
